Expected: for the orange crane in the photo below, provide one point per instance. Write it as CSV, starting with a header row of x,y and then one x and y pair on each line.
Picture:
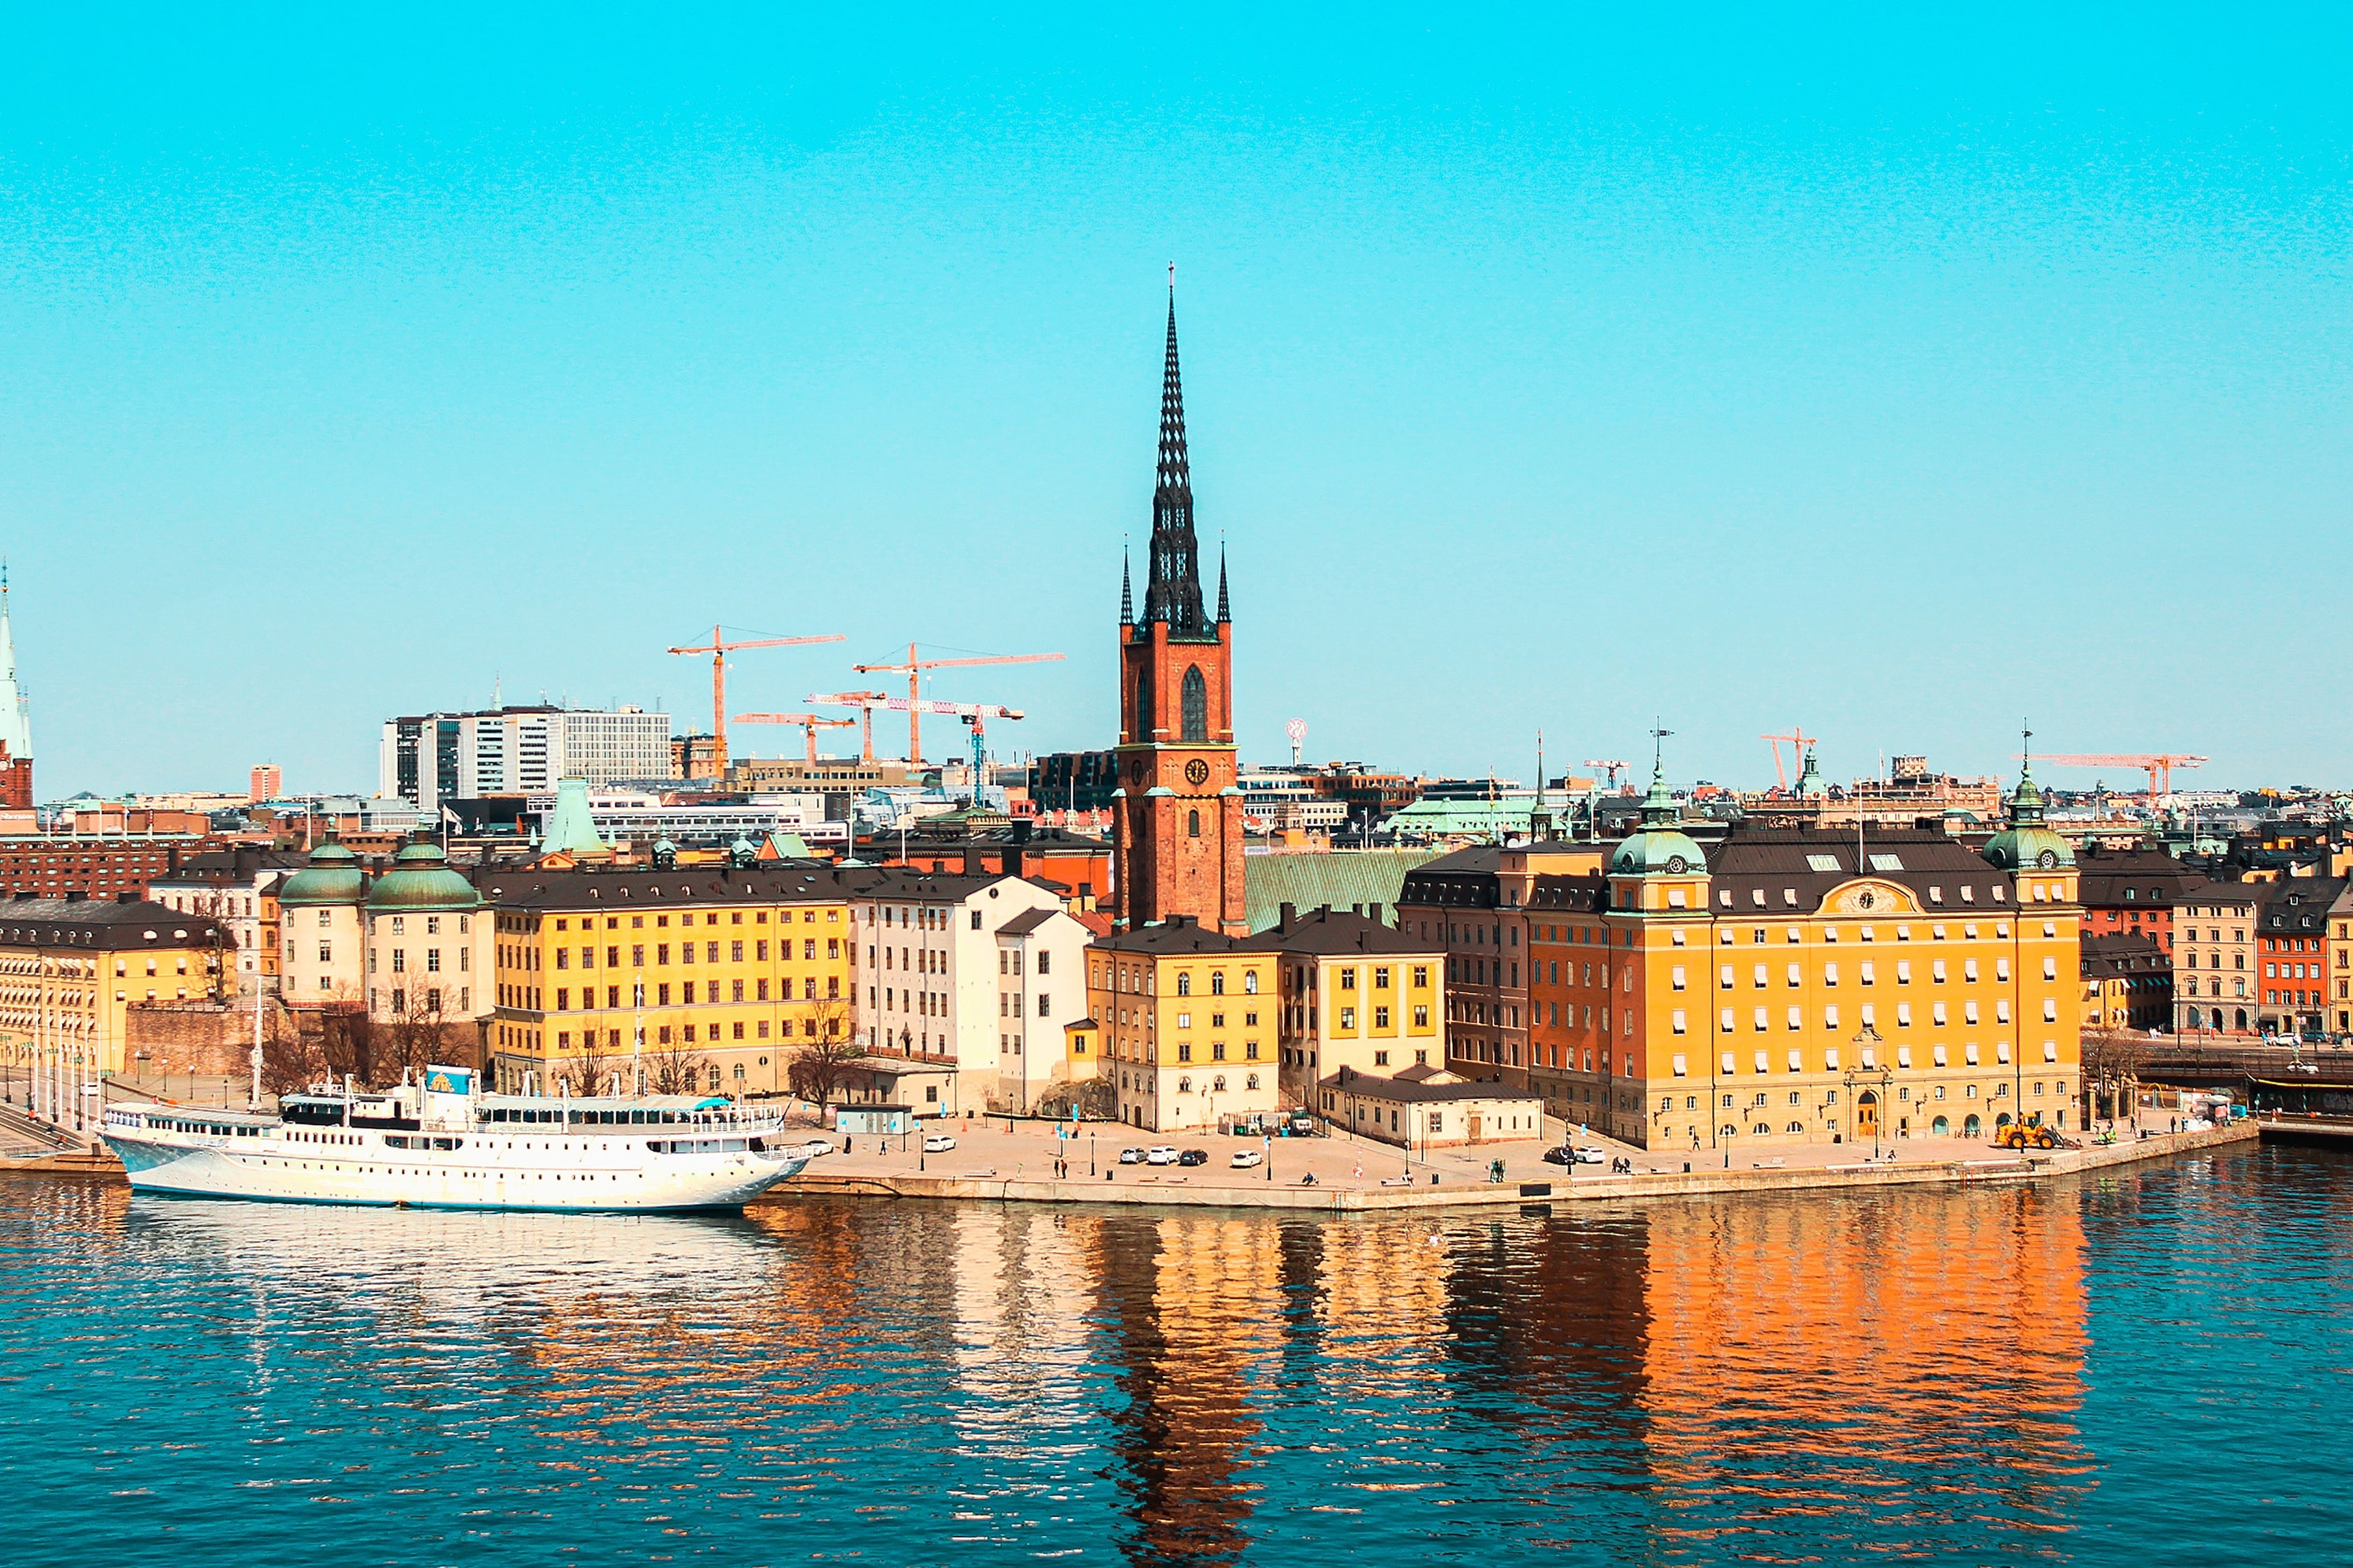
x,y
914,671
1613,765
809,722
719,648
1799,741
2157,765
865,702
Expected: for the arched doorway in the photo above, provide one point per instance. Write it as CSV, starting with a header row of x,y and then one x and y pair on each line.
x,y
2242,1016
1866,1115
1971,1126
1941,1127
2002,1121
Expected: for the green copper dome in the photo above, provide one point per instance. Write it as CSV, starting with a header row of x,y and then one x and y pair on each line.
x,y
1660,847
2026,844
421,879
333,876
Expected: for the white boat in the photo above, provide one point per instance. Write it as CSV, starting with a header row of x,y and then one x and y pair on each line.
x,y
439,1144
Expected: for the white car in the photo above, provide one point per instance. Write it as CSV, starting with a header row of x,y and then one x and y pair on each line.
x,y
1589,1155
938,1143
1160,1155
1245,1159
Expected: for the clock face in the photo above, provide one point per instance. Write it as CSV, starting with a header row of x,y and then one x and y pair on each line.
x,y
1135,770
1196,773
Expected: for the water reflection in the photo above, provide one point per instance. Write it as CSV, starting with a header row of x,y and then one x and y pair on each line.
x,y
1769,1380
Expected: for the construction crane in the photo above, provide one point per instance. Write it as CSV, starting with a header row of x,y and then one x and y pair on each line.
x,y
1614,766
2157,765
975,714
809,722
914,671
1799,741
719,648
865,702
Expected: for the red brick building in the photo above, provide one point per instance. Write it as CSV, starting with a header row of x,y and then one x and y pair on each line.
x,y
92,867
1177,814
2133,893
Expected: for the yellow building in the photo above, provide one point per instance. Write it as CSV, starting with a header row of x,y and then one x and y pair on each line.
x,y
71,971
1800,986
1352,993
1187,1019
705,978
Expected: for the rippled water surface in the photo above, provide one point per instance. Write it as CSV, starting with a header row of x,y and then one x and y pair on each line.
x,y
2150,1367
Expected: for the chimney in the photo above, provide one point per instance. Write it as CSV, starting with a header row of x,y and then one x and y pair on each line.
x,y
1373,913
971,861
1021,825
127,896
1290,914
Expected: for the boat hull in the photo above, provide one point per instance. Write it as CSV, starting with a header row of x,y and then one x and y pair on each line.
x,y
375,1177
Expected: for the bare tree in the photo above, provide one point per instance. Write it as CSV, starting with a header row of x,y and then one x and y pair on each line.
x,y
587,1071
2111,1062
828,1054
673,1067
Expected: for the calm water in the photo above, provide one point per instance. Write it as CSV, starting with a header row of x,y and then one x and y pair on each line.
x,y
2147,1368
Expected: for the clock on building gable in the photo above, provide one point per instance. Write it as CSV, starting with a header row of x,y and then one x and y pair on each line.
x,y
1196,773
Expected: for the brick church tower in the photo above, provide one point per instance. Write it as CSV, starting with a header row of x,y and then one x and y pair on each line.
x,y
1177,816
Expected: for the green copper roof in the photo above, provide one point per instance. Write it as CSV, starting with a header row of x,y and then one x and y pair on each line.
x,y
2026,842
1660,847
420,878
333,876
570,827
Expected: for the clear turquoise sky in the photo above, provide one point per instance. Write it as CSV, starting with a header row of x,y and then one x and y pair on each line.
x,y
1894,378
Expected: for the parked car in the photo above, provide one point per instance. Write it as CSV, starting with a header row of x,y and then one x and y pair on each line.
x,y
938,1143
1160,1155
1589,1156
1194,1157
1131,1157
1245,1159
1302,1126
1556,1156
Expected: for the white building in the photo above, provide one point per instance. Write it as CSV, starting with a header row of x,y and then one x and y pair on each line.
x,y
227,887
930,949
430,758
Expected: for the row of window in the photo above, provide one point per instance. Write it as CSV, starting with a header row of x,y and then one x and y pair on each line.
x,y
1762,1061
527,995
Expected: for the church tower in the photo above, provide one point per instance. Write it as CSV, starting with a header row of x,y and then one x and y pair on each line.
x,y
1177,829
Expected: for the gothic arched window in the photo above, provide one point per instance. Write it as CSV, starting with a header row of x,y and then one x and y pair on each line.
x,y
1192,824
1144,706
1197,704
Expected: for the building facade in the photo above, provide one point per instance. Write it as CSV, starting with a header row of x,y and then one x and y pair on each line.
x,y
71,971
232,888
1351,993
2127,984
429,759
1188,1021
2292,929
2215,988
702,979
1178,813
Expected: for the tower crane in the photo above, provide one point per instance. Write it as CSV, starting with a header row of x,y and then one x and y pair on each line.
x,y
865,702
1799,741
975,714
2157,765
719,648
1614,766
914,671
809,722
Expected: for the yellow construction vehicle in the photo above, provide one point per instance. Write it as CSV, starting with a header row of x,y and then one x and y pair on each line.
x,y
2019,1135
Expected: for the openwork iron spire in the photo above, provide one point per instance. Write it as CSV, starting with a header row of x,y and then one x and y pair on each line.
x,y
1126,595
1173,593
1225,610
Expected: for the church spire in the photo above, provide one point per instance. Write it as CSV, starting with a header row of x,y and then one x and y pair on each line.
x,y
1225,610
1173,593
1126,594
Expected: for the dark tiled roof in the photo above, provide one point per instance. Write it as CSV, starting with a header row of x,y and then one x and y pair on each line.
x,y
1465,879
1336,933
1026,921
1570,895
1795,871
2297,906
94,923
784,881
2123,953
1401,1087
2134,878
1169,938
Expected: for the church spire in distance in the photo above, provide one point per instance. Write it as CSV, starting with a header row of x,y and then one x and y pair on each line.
x,y
1173,593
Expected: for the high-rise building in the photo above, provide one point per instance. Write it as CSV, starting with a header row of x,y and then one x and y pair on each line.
x,y
431,757
15,722
1178,815
263,783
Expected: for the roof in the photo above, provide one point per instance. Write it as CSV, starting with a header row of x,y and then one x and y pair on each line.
x,y
1170,939
89,922
2133,877
1340,878
1572,895
1414,1092
1795,870
2299,906
1338,932
1026,921
1464,879
770,881
2123,953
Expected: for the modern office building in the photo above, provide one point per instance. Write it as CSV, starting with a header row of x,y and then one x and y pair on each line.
x,y
428,758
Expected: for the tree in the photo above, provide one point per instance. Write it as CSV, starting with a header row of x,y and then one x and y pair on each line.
x,y
673,1067
2112,1060
587,1071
